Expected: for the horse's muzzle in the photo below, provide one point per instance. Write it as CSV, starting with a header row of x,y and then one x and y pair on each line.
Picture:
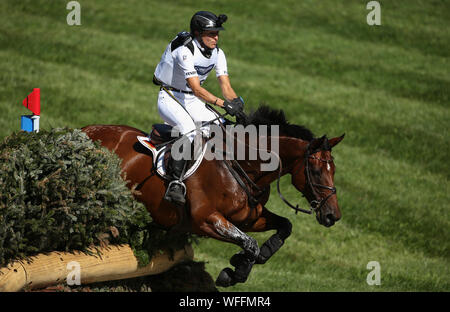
x,y
326,219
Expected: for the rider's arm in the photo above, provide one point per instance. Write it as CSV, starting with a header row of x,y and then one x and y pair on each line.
x,y
222,76
225,85
200,92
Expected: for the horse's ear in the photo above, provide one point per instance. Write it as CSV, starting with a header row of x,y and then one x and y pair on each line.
x,y
334,141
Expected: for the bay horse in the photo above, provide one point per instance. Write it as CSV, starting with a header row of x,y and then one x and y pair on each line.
x,y
218,206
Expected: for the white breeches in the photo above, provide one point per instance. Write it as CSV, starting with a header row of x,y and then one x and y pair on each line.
x,y
175,115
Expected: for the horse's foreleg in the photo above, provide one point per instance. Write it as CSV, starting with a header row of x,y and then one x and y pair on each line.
x,y
271,221
224,230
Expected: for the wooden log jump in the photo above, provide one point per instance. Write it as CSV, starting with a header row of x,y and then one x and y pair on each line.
x,y
116,262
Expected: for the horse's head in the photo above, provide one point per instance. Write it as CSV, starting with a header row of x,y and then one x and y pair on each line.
x,y
314,177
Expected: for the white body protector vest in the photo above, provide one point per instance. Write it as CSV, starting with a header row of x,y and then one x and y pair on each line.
x,y
183,60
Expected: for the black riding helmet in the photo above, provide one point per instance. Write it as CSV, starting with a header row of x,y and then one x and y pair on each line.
x,y
204,20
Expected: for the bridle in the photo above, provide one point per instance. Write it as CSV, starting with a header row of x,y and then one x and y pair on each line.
x,y
318,202
316,205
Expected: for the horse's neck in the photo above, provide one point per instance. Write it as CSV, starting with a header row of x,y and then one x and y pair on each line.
x,y
284,154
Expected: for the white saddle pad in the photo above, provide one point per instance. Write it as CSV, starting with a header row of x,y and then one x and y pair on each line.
x,y
158,158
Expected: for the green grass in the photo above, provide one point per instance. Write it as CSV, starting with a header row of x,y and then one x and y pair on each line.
x,y
387,87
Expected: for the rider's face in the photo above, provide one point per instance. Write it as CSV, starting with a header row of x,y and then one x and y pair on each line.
x,y
210,38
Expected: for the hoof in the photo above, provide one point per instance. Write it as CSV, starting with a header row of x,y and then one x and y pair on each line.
x,y
225,278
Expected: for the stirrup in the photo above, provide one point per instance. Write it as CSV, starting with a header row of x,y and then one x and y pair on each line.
x,y
179,183
175,197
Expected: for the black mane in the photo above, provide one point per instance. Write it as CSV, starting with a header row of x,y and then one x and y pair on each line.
x,y
265,115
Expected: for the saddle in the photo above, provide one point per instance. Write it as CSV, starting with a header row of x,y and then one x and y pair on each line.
x,y
161,133
160,141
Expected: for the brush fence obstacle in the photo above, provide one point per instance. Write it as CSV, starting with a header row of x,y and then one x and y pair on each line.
x,y
115,262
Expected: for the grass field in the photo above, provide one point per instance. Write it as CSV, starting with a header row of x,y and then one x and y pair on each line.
x,y
387,87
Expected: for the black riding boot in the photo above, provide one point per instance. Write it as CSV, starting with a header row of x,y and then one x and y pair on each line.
x,y
176,190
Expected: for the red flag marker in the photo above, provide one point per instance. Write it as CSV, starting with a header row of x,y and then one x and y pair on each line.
x,y
33,101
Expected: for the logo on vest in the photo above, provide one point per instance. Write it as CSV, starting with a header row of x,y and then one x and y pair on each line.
x,y
201,70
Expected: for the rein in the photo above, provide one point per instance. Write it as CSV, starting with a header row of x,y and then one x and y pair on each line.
x,y
296,207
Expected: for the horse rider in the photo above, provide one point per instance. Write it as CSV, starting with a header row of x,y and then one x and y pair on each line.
x,y
185,64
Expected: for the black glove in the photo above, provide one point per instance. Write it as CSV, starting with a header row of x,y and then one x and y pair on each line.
x,y
235,106
238,102
231,108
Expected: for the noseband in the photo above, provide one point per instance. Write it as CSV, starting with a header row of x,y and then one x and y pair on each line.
x,y
316,204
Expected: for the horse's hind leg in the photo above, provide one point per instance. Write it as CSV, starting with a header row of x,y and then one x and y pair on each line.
x,y
220,228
